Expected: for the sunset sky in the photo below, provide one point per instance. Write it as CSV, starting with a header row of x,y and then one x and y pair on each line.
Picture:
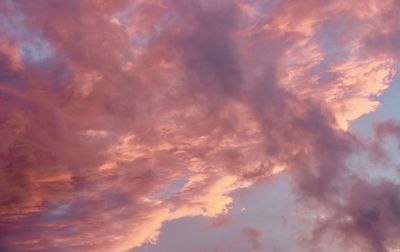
x,y
199,126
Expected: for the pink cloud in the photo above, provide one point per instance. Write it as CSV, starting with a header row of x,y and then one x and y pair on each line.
x,y
104,106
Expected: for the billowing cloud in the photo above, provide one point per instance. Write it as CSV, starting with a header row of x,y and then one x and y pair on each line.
x,y
116,117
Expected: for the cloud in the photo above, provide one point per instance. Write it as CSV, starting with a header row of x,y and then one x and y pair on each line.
x,y
385,41
104,106
253,236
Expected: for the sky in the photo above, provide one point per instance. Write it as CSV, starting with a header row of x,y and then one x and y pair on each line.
x,y
199,125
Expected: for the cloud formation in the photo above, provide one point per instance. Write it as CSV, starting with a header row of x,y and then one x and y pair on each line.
x,y
116,117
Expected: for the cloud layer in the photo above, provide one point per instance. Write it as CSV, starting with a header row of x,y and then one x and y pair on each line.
x,y
116,117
